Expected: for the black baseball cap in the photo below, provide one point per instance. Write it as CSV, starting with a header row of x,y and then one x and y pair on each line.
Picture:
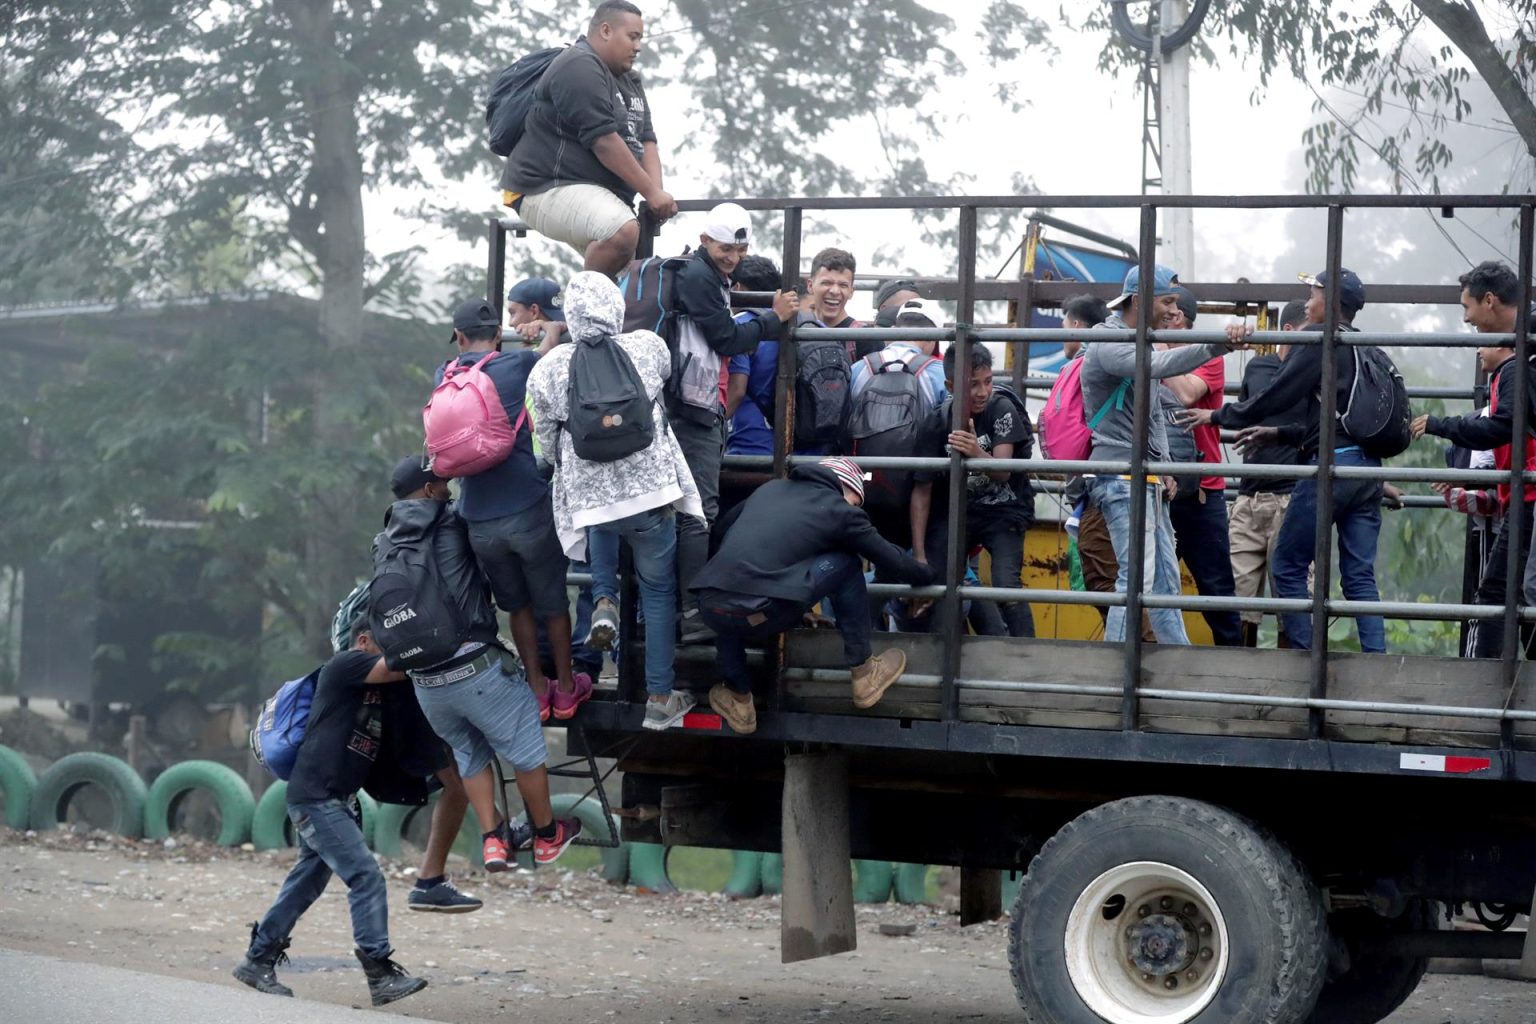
x,y
474,313
411,476
540,291
1351,290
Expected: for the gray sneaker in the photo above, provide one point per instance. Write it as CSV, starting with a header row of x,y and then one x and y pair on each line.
x,y
605,626
668,713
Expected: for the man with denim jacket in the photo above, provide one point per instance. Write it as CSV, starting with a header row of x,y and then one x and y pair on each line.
x,y
1109,369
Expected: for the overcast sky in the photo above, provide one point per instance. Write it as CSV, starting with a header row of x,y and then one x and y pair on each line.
x,y
1081,135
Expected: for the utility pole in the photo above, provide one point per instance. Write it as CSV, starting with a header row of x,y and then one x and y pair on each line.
x,y
1177,242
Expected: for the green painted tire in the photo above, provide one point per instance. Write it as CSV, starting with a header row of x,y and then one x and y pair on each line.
x,y
270,827
746,881
648,868
390,823
236,804
872,880
68,774
911,884
19,783
269,823
773,874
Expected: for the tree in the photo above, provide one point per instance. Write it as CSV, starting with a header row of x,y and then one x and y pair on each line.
x,y
1379,52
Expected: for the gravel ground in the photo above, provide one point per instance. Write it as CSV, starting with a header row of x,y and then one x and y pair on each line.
x,y
561,946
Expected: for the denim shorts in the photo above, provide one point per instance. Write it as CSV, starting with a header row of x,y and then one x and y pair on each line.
x,y
487,714
521,556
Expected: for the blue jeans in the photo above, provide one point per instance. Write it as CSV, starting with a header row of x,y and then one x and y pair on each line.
x,y
1160,567
652,537
739,618
1357,517
330,835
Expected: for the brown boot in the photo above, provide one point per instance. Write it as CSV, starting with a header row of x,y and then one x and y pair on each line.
x,y
875,676
740,715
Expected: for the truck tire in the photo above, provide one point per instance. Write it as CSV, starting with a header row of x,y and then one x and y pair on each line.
x,y
773,874
746,881
66,776
18,782
230,792
648,868
872,880
1363,988
911,886
1164,909
390,823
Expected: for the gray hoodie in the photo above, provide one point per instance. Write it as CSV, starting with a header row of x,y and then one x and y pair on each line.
x,y
1105,364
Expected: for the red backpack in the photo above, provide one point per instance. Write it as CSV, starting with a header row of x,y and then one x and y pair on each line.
x,y
1066,434
467,427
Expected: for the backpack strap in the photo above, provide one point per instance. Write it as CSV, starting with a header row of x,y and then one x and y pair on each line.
x,y
1115,401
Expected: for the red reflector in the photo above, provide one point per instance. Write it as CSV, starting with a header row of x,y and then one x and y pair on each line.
x,y
1463,765
702,720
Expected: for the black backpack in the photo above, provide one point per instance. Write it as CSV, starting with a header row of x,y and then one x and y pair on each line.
x,y
413,617
823,377
1377,415
511,99
888,418
609,414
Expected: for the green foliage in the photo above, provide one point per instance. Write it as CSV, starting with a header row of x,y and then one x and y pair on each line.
x,y
1409,88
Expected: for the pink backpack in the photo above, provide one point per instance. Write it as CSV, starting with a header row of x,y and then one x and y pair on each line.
x,y
466,423
1066,434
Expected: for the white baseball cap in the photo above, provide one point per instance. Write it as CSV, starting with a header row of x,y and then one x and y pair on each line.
x,y
729,223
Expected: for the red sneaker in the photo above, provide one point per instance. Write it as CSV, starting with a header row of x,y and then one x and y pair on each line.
x,y
565,704
494,852
547,851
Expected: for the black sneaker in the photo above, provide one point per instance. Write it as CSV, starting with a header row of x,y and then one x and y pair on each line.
x,y
442,898
387,980
517,833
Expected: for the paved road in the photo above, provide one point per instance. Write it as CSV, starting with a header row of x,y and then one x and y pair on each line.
x,y
45,990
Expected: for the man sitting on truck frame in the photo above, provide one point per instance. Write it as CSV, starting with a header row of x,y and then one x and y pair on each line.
x,y
791,544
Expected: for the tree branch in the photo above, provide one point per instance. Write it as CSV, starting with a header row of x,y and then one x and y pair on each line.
x,y
1465,29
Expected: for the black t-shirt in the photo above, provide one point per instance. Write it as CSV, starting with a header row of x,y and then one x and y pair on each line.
x,y
1257,376
577,102
345,733
987,501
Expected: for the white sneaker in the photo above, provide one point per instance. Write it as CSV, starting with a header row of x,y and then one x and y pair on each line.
x,y
668,713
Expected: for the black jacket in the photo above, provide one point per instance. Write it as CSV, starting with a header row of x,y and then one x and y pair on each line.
x,y
1476,431
703,295
408,521
1294,394
784,526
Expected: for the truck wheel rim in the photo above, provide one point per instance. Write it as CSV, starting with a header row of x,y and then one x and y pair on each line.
x,y
1146,944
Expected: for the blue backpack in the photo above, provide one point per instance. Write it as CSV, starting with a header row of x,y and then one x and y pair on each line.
x,y
280,728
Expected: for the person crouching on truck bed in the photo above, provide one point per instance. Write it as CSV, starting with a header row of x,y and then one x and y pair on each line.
x,y
791,544
350,745
634,497
1490,296
470,700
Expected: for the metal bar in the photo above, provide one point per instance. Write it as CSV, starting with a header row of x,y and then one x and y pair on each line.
x,y
650,227
1515,517
1141,404
1108,241
496,264
784,388
1204,202
1024,314
1052,334
929,681
1328,395
954,574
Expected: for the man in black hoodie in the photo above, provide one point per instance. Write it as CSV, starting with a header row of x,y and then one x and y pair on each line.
x,y
470,700
708,333
793,543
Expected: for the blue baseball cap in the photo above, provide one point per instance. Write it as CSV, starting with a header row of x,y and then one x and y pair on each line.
x,y
1351,291
1164,282
540,291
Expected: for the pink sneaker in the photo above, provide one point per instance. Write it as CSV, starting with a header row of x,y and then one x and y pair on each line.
x,y
545,699
547,851
564,704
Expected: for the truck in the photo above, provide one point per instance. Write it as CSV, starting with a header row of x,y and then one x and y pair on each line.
x,y
1198,833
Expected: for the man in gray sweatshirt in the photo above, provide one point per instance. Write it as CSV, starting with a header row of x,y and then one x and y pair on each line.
x,y
1108,369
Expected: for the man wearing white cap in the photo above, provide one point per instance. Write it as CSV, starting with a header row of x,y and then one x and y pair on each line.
x,y
791,544
708,334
